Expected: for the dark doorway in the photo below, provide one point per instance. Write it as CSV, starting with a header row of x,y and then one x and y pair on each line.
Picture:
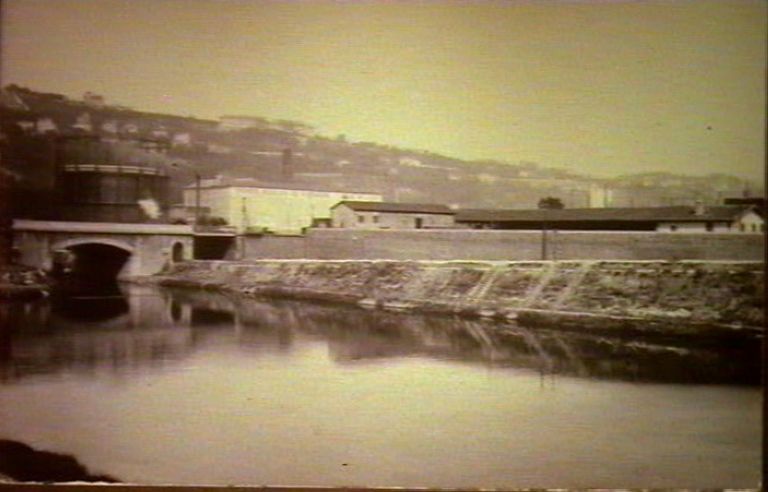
x,y
214,247
419,222
175,311
177,254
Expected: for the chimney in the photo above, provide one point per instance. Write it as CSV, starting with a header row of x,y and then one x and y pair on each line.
x,y
287,164
699,209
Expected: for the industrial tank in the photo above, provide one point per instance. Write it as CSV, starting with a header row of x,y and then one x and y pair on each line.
x,y
114,180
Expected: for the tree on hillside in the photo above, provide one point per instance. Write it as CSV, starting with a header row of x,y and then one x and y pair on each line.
x,y
551,203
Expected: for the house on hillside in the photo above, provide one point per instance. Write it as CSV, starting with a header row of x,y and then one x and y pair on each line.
x,y
94,100
717,219
236,122
387,215
281,207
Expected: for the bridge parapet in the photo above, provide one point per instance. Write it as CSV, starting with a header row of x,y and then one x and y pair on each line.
x,y
100,227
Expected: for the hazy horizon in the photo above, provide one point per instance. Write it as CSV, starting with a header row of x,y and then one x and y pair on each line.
x,y
599,88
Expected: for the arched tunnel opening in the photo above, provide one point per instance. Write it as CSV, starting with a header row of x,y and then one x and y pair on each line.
x,y
91,268
87,288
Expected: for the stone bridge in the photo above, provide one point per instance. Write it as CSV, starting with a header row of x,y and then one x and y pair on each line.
x,y
131,249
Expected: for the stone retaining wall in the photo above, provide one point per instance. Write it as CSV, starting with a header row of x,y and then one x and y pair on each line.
x,y
329,244
628,295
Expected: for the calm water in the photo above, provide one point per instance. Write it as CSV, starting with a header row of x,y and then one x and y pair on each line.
x,y
185,387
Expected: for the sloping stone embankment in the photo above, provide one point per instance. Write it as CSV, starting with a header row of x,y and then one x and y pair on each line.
x,y
621,297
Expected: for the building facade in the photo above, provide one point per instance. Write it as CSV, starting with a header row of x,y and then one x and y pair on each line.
x,y
380,215
279,208
744,221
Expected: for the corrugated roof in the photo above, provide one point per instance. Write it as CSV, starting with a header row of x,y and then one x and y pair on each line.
x,y
645,214
420,208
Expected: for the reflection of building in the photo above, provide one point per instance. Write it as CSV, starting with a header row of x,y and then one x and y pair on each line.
x,y
377,215
723,219
279,207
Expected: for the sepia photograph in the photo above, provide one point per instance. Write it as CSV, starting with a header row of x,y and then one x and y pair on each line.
x,y
407,244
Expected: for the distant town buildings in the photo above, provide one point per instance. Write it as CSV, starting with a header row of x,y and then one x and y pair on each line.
x,y
599,196
83,123
236,123
388,215
181,139
93,100
32,121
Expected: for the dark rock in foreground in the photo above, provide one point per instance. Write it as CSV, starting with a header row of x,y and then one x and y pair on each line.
x,y
26,464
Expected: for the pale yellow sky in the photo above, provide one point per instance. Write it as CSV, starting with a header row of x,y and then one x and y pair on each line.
x,y
597,87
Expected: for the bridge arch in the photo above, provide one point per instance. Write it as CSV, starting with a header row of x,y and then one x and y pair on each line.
x,y
96,259
70,243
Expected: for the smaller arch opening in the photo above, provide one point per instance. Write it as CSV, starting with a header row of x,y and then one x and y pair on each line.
x,y
175,311
177,252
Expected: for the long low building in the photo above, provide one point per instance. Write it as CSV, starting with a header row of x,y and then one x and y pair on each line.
x,y
720,219
390,215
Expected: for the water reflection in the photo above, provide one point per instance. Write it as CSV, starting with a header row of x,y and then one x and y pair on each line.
x,y
146,326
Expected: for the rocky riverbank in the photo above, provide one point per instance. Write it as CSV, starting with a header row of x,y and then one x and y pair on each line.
x,y
22,283
712,300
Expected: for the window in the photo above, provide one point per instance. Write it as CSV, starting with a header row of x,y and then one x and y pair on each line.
x,y
361,219
673,228
742,227
754,227
375,219
710,226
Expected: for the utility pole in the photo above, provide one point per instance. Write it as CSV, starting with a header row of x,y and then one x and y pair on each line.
x,y
244,214
197,199
546,204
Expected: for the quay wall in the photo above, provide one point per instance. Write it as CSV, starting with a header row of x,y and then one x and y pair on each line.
x,y
341,244
618,296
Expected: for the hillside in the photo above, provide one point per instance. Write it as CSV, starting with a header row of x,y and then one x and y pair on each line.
x,y
251,147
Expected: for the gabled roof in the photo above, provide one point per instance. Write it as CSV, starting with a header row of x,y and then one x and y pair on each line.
x,y
645,214
420,208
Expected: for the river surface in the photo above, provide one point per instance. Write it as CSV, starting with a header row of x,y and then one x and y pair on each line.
x,y
158,386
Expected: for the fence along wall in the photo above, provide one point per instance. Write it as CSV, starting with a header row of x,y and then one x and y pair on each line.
x,y
505,245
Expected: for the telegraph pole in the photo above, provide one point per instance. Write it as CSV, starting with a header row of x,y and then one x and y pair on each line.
x,y
197,199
